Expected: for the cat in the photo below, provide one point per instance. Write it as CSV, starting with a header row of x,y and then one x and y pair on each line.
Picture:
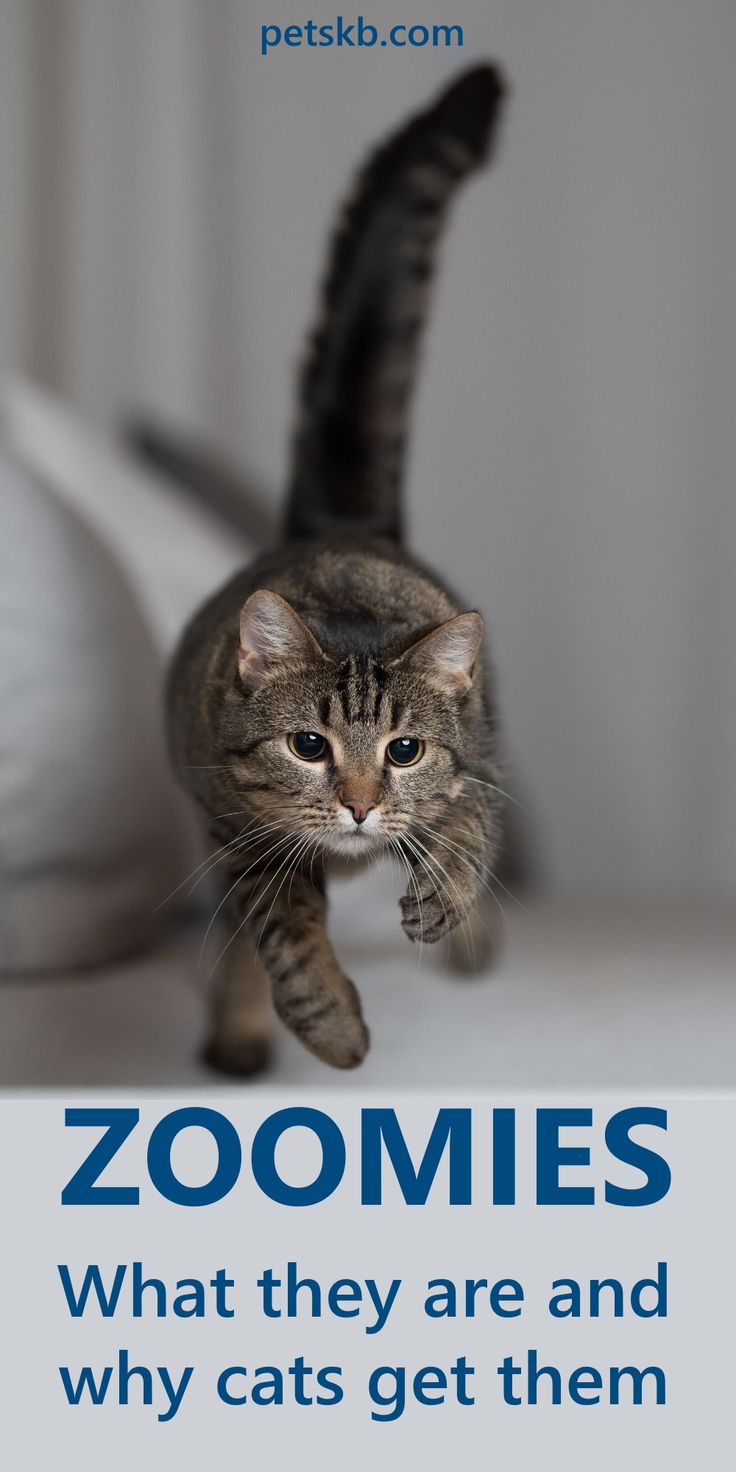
x,y
333,700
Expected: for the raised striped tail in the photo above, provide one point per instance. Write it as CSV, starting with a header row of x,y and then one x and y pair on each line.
x,y
357,381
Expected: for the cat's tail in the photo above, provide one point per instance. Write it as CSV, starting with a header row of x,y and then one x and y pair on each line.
x,y
357,381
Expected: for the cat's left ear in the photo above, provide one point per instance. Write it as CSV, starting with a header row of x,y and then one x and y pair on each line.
x,y
447,656
272,635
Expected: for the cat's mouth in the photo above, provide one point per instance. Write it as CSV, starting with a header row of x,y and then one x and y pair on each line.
x,y
355,842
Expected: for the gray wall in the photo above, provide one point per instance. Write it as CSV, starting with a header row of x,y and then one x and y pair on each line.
x,y
573,467
18,136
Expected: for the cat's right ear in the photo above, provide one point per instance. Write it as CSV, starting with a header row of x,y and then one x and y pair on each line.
x,y
446,656
271,635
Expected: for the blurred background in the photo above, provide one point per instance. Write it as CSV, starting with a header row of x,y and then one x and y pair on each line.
x,y
165,193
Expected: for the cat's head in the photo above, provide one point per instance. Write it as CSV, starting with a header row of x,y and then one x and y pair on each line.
x,y
351,750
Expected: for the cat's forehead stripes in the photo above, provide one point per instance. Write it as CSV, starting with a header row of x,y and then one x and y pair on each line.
x,y
360,692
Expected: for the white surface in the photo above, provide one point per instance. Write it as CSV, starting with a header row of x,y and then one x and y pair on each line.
x,y
583,996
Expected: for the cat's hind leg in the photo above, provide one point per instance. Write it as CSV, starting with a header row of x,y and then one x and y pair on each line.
x,y
475,945
242,1013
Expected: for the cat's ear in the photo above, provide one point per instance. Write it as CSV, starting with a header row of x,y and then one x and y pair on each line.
x,y
272,634
447,656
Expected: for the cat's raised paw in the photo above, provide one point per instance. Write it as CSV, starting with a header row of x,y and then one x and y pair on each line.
x,y
427,918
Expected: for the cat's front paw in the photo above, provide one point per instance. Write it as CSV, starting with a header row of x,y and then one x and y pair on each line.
x,y
327,1019
343,1046
428,916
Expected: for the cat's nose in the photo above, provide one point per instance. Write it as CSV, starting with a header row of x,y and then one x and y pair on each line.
x,y
358,807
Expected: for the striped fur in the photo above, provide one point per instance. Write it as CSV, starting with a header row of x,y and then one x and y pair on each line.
x,y
341,633
357,381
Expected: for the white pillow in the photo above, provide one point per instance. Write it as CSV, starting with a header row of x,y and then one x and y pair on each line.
x,y
90,820
174,551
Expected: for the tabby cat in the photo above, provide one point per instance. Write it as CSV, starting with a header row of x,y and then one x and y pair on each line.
x,y
332,699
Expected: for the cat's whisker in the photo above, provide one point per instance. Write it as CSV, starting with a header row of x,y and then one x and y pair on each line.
x,y
479,876
234,813
308,843
439,885
275,848
509,893
471,859
185,767
259,896
291,861
288,864
210,859
458,905
474,913
413,884
244,841
471,864
475,863
435,861
499,848
438,889
467,778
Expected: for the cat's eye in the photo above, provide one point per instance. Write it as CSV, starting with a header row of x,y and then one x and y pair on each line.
x,y
405,751
307,745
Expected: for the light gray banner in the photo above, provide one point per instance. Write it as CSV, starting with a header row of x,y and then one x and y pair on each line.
x,y
691,1231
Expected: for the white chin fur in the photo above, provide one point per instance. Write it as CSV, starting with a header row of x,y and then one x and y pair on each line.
x,y
354,843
